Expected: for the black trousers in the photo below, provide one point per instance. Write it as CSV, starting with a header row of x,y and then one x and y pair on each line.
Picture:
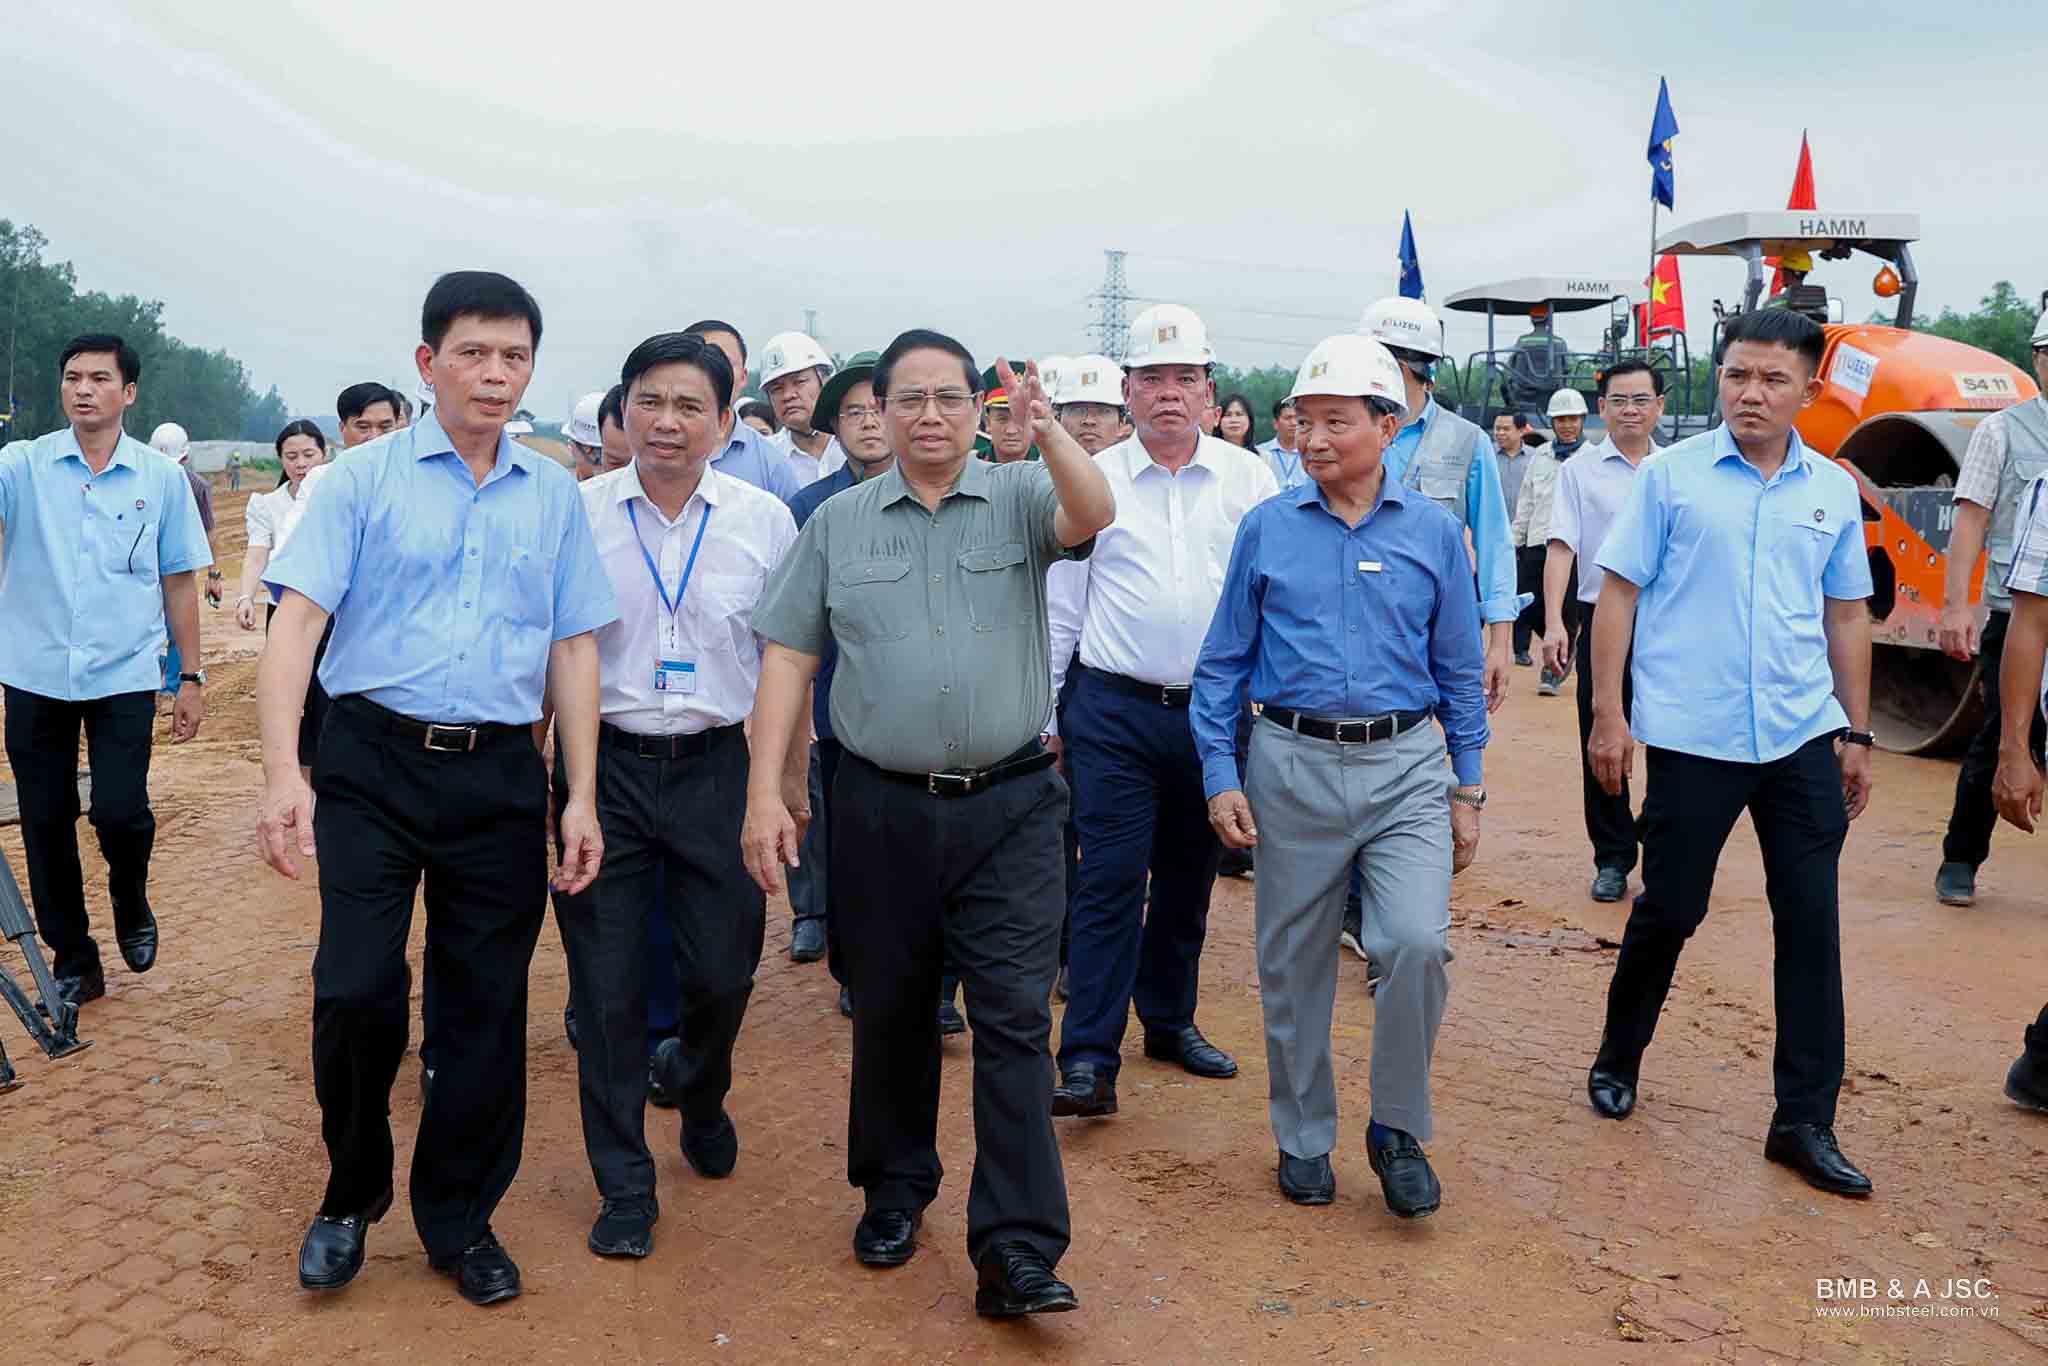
x,y
677,821
976,880
42,748
1610,821
1689,807
830,751
1529,579
1975,815
313,719
473,826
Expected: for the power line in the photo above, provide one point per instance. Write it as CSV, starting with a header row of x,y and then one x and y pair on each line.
x,y
1245,265
1261,312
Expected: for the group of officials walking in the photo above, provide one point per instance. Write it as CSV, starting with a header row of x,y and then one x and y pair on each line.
x,y
857,651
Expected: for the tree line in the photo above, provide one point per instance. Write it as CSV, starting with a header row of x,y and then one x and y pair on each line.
x,y
42,308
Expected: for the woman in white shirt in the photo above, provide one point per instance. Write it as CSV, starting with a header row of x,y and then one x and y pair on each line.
x,y
300,446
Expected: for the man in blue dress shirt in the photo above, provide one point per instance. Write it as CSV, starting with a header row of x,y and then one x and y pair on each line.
x,y
1348,613
463,581
86,586
1738,568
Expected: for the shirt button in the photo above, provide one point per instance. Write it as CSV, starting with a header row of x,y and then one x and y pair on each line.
x,y
942,630
472,552
945,687
938,578
466,604
1354,625
464,655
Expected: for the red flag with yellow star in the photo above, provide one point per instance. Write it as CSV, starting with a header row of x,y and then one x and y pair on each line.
x,y
1665,312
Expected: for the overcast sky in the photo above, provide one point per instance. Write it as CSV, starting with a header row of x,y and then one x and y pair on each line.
x,y
289,176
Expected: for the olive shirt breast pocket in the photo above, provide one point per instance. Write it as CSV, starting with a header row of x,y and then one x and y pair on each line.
x,y
868,600
997,583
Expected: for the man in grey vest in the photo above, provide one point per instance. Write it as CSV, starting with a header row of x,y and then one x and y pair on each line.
x,y
2006,452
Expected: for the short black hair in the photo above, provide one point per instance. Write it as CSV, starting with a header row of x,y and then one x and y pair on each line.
x,y
612,409
761,408
475,294
707,326
1380,407
92,343
1282,406
680,348
1523,421
404,404
1778,327
924,339
1635,366
352,402
304,426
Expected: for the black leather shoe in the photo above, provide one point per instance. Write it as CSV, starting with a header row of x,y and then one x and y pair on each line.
x,y
569,1025
1235,863
1061,988
484,1272
658,1094
1084,1091
83,988
807,940
1411,1188
1610,884
2027,1083
1955,884
886,1237
138,942
1307,1180
1193,1052
333,1251
1612,1093
624,1228
712,1149
846,1003
1811,1150
1016,1279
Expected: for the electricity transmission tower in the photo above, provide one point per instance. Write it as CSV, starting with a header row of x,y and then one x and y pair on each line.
x,y
1112,322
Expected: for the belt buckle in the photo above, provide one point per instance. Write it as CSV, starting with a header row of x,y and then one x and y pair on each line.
x,y
464,739
1354,732
949,784
1171,694
650,746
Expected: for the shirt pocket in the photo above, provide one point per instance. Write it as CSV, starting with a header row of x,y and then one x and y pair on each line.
x,y
998,587
869,600
1799,551
728,603
126,545
530,588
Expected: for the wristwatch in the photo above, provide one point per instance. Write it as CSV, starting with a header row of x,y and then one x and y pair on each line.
x,y
1475,800
199,678
1859,737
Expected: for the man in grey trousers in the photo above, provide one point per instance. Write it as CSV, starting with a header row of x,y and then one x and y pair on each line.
x,y
1349,613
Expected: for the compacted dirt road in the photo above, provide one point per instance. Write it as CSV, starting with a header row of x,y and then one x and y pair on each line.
x,y
153,1190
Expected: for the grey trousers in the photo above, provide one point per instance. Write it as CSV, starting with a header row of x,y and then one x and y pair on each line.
x,y
807,879
1320,805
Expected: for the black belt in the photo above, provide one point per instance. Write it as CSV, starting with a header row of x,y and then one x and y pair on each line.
x,y
1165,694
462,737
966,782
1365,731
665,746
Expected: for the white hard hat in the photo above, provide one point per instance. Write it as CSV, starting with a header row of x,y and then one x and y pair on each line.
x,y
581,427
2041,330
1351,366
1567,403
1092,379
1167,334
788,352
1051,370
170,439
1409,324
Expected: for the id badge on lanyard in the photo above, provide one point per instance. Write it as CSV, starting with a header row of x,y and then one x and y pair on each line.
x,y
674,671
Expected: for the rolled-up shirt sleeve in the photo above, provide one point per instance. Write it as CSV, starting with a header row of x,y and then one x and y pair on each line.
x,y
1223,669
1457,663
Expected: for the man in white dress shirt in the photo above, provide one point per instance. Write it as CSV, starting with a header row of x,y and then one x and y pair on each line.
x,y
794,369
1140,607
688,550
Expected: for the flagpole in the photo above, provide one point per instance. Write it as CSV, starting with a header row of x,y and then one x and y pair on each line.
x,y
1650,280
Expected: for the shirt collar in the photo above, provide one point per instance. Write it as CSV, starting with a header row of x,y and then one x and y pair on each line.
x,y
1421,419
1726,449
1311,494
973,481
126,448
629,486
430,439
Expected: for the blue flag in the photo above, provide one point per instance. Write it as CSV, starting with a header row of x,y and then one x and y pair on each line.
x,y
1663,128
1411,265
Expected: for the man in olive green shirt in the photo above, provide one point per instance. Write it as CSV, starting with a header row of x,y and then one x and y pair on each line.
x,y
930,580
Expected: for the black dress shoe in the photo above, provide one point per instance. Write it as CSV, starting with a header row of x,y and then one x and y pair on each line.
x,y
951,1021
1609,884
807,940
1016,1279
2027,1083
484,1272
1612,1093
658,1094
1955,884
1811,1150
624,1228
711,1149
1084,1091
1193,1052
83,988
846,1003
569,1025
138,942
1307,1180
333,1251
1411,1188
886,1237
1235,863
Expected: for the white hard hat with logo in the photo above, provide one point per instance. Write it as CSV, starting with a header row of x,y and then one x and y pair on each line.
x,y
1052,371
1351,366
1567,403
788,352
1167,334
170,439
581,427
1409,324
2041,330
1092,379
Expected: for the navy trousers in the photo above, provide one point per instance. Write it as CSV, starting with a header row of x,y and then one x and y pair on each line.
x,y
1139,809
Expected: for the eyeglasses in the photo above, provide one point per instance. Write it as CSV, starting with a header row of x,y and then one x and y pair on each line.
x,y
952,402
1628,401
859,413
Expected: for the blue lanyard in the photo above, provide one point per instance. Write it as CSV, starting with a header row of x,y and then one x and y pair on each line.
x,y
672,608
